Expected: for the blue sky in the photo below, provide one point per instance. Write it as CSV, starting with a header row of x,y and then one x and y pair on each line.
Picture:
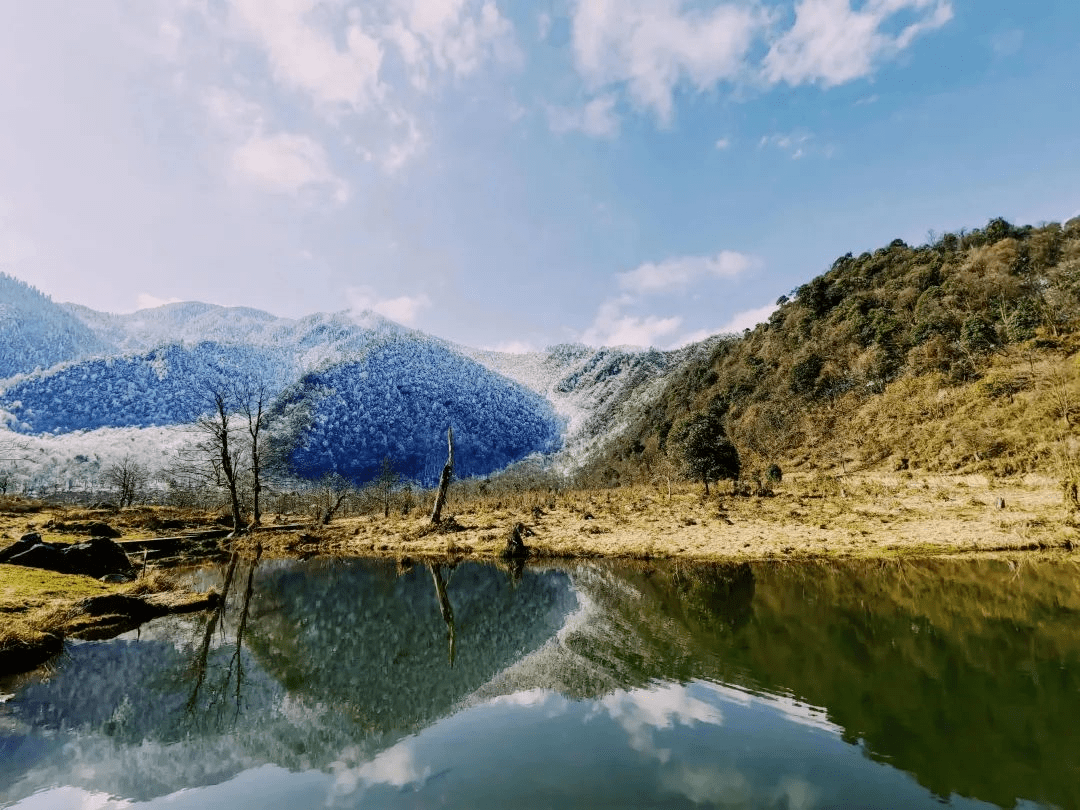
x,y
517,174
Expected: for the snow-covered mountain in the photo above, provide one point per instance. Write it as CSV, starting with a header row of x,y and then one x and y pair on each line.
x,y
595,391
36,333
306,342
166,386
366,387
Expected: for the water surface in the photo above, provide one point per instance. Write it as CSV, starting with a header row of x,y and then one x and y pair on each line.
x,y
352,683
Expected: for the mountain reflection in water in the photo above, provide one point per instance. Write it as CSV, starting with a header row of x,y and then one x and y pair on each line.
x,y
361,683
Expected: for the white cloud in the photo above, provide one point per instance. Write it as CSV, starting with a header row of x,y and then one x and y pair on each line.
x,y
543,25
304,56
396,766
286,163
722,143
403,142
459,35
678,273
404,309
1007,43
235,115
794,143
597,118
708,784
355,66
652,47
642,711
747,319
281,162
613,327
832,43
147,301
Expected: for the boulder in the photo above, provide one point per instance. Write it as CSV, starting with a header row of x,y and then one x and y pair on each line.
x,y
96,557
19,546
94,528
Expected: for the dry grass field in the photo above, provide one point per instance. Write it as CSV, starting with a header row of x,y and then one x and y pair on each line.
x,y
859,515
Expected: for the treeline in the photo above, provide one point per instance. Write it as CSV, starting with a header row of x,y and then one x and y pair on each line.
x,y
945,313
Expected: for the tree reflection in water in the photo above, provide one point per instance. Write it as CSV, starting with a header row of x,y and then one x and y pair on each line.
x,y
444,606
229,687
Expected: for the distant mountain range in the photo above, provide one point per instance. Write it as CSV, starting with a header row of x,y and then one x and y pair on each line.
x,y
370,388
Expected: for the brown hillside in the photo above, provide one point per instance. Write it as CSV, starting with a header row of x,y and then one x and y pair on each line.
x,y
955,356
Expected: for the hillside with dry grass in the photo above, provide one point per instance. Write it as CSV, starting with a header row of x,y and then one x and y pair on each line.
x,y
957,356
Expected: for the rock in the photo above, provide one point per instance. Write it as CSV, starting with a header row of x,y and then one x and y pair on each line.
x,y
24,543
98,529
92,529
96,557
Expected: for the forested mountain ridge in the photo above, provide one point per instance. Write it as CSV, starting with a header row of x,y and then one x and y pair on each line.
x,y
165,386
308,341
369,388
396,401
37,333
959,354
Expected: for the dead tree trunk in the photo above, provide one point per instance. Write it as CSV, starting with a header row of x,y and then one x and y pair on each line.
x,y
444,479
337,489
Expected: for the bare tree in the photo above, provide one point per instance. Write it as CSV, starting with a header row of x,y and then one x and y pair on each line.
x,y
11,452
335,488
386,482
220,449
253,402
127,477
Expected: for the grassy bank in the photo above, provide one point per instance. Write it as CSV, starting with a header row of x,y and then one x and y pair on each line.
x,y
39,608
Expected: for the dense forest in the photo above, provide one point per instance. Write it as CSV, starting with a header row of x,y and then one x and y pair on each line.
x,y
956,355
396,403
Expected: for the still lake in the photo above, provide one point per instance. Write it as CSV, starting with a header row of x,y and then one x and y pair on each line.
x,y
359,683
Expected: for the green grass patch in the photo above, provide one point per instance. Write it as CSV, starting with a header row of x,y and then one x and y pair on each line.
x,y
23,588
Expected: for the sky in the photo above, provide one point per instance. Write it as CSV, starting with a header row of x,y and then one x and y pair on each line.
x,y
513,175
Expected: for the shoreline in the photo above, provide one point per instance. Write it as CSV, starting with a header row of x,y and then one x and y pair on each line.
x,y
861,517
